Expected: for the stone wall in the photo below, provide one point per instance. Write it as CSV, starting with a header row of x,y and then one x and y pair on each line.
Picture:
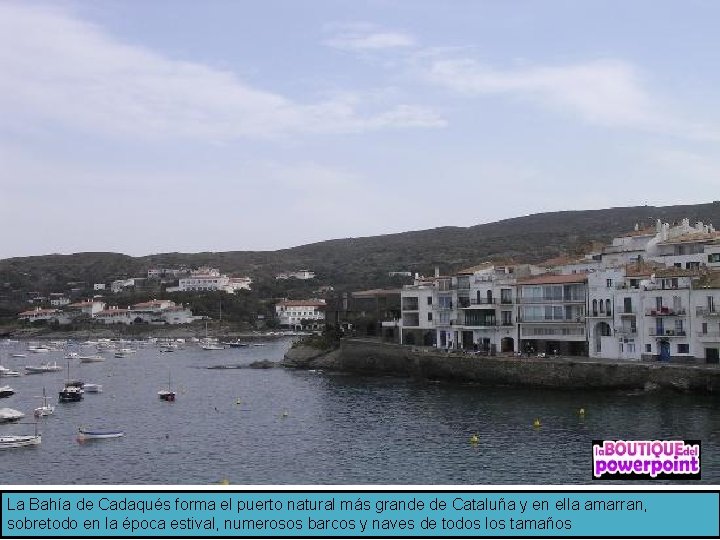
x,y
370,357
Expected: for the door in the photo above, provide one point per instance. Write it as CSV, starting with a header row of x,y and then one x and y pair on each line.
x,y
712,356
664,351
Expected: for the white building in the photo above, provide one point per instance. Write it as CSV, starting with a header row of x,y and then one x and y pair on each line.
x,y
301,314
210,279
86,307
299,274
49,315
151,312
120,285
59,299
99,287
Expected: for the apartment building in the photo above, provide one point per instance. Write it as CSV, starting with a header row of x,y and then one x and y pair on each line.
x,y
301,314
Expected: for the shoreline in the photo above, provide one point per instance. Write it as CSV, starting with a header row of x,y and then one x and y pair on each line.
x,y
576,373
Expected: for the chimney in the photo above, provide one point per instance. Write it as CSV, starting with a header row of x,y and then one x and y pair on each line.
x,y
437,271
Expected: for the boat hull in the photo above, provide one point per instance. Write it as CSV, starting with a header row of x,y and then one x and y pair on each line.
x,y
100,434
18,441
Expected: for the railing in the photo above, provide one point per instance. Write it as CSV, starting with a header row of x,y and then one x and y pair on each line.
x,y
714,336
627,312
707,312
579,320
660,332
483,301
665,312
622,332
599,314
536,300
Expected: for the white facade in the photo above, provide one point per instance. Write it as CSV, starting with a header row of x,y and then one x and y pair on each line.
x,y
59,301
301,314
87,307
120,285
99,287
299,274
210,279
49,315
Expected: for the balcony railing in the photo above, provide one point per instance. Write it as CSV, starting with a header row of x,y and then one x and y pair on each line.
x,y
578,320
660,332
599,314
625,332
628,312
665,312
708,336
483,301
538,300
707,312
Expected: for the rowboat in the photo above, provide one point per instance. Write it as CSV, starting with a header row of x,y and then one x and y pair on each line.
x,y
100,433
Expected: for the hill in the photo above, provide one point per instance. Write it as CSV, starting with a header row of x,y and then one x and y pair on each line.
x,y
355,263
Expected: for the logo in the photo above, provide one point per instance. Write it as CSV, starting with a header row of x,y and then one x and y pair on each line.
x,y
646,460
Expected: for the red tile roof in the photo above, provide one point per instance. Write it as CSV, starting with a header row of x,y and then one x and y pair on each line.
x,y
550,279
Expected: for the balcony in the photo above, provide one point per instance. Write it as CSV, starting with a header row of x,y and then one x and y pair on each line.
x,y
626,332
628,312
665,312
707,312
709,336
660,332
483,301
538,300
576,320
599,314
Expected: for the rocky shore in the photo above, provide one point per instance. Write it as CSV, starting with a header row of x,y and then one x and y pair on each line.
x,y
371,357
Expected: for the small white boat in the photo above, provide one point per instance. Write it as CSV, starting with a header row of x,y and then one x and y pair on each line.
x,y
38,348
71,355
6,391
44,368
46,409
5,372
18,441
123,353
212,347
100,433
91,358
10,415
92,388
19,355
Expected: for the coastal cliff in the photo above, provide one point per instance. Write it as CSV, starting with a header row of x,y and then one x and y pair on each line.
x,y
369,357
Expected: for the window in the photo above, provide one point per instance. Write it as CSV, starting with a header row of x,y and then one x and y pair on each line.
x,y
683,348
429,300
430,316
608,282
648,347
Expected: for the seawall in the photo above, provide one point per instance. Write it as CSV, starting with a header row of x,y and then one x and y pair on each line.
x,y
369,357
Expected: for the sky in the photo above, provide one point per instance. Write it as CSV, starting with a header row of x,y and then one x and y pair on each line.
x,y
163,126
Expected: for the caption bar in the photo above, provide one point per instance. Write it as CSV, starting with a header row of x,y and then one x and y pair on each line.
x,y
359,513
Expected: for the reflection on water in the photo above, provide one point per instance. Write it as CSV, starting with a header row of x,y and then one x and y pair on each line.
x,y
276,426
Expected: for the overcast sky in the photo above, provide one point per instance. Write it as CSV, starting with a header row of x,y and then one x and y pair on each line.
x,y
147,127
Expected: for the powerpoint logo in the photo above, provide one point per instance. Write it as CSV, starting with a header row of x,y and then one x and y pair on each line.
x,y
646,460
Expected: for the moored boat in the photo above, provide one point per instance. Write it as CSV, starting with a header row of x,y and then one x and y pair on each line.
x,y
91,358
169,394
45,409
92,388
72,391
18,441
5,372
100,433
10,415
6,391
43,368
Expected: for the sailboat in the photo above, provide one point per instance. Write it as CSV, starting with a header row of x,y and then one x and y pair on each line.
x,y
73,390
46,409
18,441
208,343
169,394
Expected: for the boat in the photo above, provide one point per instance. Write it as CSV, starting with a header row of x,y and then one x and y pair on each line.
x,y
10,415
72,391
71,355
91,358
237,344
6,391
92,388
122,353
169,394
18,441
100,433
5,372
43,368
38,348
19,355
46,409
212,347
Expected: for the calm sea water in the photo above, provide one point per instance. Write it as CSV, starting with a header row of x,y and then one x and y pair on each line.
x,y
299,427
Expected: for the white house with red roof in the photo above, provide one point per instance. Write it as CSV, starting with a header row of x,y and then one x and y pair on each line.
x,y
40,314
86,307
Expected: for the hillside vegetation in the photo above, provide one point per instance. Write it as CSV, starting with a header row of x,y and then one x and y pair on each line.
x,y
357,263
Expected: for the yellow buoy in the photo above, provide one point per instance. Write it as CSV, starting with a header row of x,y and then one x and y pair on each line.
x,y
581,412
537,423
224,482
474,439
